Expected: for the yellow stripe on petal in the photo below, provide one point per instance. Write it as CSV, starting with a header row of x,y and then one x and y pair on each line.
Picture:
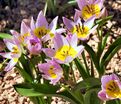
x,y
81,31
65,51
113,90
52,73
90,10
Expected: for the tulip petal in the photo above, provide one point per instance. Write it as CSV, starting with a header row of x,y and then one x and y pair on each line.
x,y
24,28
69,24
11,64
41,20
59,41
53,24
49,52
32,24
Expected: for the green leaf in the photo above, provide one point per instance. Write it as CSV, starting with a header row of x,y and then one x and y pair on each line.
x,y
77,93
93,56
5,36
24,74
65,70
81,68
91,97
88,84
105,40
26,65
33,90
103,20
117,101
112,50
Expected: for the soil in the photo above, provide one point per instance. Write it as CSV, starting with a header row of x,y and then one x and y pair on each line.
x,y
11,15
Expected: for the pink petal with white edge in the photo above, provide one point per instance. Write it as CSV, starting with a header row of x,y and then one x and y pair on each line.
x,y
41,20
106,78
10,65
53,24
60,30
81,3
92,1
79,50
68,59
69,23
100,3
24,28
43,67
73,40
49,52
9,44
102,95
6,55
93,29
103,13
77,14
15,33
60,41
32,24
90,22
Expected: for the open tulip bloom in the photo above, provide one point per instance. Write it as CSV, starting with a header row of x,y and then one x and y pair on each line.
x,y
13,55
34,45
89,8
111,87
64,51
82,30
51,71
24,33
42,29
61,62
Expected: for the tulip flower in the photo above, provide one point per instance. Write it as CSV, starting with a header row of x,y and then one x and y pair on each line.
x,y
24,33
65,50
34,45
82,30
42,29
13,55
111,87
51,71
89,8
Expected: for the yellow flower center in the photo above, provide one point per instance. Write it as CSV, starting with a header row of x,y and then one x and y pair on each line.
x,y
65,51
113,90
90,10
15,59
52,73
15,50
41,31
81,31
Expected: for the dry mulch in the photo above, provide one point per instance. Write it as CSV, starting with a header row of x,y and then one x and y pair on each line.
x,y
10,18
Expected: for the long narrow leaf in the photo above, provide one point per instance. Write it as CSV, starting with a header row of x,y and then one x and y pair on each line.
x,y
113,48
93,57
5,36
81,68
33,90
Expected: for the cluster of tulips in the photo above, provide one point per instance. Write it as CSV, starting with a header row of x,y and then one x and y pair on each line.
x,y
49,49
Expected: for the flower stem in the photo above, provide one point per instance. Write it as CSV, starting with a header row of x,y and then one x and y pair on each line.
x,y
85,62
72,72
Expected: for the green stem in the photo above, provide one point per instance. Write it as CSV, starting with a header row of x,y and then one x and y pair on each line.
x,y
72,72
73,94
92,69
85,62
